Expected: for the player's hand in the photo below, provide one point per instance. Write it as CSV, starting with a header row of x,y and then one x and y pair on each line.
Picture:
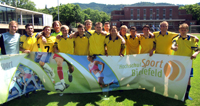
x,y
194,55
26,51
152,35
175,48
121,55
104,33
44,40
106,54
151,52
58,36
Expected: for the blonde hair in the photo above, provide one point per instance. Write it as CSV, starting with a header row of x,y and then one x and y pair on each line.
x,y
86,21
13,22
113,27
123,26
164,22
184,25
64,26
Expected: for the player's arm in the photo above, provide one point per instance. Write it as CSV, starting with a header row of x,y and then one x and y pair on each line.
x,y
197,50
21,46
55,47
152,50
123,40
106,52
195,37
74,35
174,45
123,46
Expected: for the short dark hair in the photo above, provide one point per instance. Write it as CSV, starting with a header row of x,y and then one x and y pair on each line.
x,y
27,25
81,26
133,28
55,23
98,23
93,56
145,26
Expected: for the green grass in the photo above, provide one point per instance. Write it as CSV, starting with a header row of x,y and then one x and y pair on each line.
x,y
116,98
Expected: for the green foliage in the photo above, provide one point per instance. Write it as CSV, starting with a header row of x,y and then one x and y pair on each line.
x,y
71,14
25,4
194,10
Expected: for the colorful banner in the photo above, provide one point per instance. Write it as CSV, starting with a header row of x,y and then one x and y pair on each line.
x,y
63,73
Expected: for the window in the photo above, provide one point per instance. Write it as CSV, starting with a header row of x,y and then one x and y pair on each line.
x,y
131,14
144,11
114,23
131,24
138,11
151,11
157,11
144,17
151,17
164,11
170,11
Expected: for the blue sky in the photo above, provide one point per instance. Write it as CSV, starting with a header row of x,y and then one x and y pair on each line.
x,y
52,3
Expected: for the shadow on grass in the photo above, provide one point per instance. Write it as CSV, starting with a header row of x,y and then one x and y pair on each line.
x,y
145,97
139,97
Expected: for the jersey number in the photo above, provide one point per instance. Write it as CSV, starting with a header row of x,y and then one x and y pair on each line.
x,y
47,48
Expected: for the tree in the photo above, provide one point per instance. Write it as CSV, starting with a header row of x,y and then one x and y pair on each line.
x,y
26,4
194,10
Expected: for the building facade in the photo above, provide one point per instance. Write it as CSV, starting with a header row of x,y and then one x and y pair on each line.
x,y
23,17
151,15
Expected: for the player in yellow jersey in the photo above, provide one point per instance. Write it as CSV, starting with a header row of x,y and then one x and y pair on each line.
x,y
163,40
123,33
28,42
81,46
114,45
146,40
44,56
64,45
184,45
132,42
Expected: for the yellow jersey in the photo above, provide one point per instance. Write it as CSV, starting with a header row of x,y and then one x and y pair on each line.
x,y
47,47
29,42
81,45
96,44
113,47
132,45
146,44
164,42
65,45
185,45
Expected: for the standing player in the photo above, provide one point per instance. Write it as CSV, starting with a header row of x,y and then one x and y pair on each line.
x,y
114,45
146,40
81,46
184,45
63,45
163,40
28,42
9,41
123,33
132,42
56,26
44,56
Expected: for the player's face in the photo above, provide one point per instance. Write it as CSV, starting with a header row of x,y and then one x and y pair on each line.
x,y
98,28
13,28
113,31
81,31
65,31
163,27
107,27
88,25
29,30
56,27
47,31
133,32
183,31
145,30
123,31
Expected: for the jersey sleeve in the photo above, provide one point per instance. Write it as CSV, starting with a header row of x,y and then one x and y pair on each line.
x,y
194,45
21,42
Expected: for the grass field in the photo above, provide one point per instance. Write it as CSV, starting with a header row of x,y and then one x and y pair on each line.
x,y
116,98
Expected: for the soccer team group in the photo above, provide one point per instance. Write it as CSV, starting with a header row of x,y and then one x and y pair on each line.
x,y
97,42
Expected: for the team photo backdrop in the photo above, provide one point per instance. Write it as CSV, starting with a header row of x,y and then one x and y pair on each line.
x,y
166,75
